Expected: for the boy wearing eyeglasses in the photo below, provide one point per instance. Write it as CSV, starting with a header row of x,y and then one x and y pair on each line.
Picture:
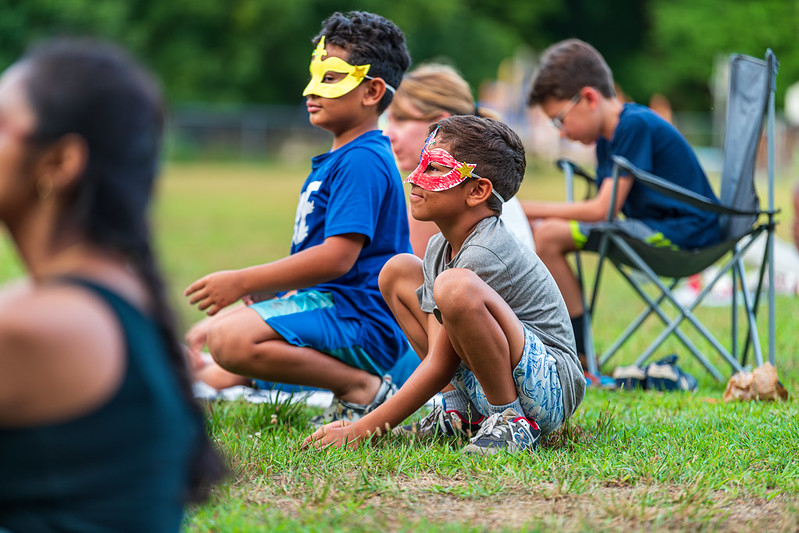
x,y
574,88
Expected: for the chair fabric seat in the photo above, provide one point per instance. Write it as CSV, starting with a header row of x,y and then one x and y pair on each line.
x,y
668,262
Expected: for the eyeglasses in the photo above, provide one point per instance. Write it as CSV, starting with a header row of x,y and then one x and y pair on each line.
x,y
557,120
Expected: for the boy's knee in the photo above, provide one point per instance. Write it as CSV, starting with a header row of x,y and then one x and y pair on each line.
x,y
227,346
552,237
454,290
395,270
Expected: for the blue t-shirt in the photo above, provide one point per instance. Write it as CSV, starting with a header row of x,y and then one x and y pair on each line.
x,y
357,189
655,146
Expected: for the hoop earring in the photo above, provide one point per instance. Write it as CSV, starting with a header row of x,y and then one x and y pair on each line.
x,y
44,188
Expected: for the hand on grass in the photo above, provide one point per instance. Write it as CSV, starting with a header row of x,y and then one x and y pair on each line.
x,y
215,291
337,434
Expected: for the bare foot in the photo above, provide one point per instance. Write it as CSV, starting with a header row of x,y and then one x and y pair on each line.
x,y
214,375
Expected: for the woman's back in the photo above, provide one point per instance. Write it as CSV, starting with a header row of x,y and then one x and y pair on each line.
x,y
124,466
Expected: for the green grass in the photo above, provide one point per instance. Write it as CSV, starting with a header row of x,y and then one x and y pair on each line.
x,y
625,461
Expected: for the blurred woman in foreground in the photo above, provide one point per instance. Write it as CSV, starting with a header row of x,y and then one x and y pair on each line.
x,y
98,431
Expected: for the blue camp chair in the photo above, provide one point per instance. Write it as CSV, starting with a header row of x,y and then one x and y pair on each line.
x,y
751,98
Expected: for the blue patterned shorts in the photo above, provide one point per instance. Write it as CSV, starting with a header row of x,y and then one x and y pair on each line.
x,y
537,384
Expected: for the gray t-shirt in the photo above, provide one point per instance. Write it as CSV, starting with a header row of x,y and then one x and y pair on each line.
x,y
522,280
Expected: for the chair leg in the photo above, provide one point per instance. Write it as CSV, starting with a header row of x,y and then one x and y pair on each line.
x,y
590,351
621,339
671,327
684,313
734,310
752,338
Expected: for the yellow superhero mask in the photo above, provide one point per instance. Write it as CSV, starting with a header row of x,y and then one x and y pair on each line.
x,y
355,74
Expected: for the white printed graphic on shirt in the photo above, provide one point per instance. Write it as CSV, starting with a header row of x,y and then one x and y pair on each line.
x,y
304,208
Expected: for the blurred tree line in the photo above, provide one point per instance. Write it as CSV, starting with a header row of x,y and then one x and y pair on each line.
x,y
257,51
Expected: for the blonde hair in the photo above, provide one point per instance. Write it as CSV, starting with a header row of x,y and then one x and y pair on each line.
x,y
434,89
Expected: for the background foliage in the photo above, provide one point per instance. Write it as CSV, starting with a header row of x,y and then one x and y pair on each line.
x,y
257,51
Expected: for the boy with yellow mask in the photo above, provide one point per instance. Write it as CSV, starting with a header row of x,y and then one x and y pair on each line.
x,y
327,325
321,67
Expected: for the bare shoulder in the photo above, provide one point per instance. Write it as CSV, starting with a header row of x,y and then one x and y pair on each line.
x,y
56,342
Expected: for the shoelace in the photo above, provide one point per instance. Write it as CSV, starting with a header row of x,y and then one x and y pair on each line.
x,y
489,426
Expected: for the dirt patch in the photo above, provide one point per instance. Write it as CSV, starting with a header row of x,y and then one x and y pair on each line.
x,y
605,507
507,506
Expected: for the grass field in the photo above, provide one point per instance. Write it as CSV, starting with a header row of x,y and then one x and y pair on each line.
x,y
632,461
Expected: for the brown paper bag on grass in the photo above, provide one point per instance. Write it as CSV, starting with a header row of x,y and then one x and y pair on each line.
x,y
760,384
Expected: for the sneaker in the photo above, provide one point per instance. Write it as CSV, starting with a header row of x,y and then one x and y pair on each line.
x,y
507,431
599,380
665,375
629,377
440,423
342,410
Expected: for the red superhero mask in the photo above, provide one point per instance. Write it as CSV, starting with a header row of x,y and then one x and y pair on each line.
x,y
459,173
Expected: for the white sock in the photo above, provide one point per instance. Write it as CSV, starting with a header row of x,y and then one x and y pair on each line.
x,y
456,400
516,405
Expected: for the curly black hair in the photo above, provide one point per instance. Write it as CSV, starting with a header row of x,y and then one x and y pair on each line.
x,y
369,39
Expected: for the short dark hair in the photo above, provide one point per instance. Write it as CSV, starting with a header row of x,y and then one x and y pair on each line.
x,y
565,68
490,144
370,39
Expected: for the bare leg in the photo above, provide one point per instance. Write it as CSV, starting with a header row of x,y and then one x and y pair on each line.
x,y
399,279
483,330
214,375
553,240
242,343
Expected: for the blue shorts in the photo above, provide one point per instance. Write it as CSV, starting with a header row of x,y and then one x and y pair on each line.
x,y
310,318
537,385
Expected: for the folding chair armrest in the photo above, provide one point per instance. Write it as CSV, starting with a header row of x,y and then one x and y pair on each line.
x,y
679,193
571,169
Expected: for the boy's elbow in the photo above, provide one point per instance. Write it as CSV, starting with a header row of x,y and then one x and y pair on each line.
x,y
341,253
339,268
339,264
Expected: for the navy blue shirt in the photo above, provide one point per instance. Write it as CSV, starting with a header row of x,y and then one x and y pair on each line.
x,y
654,145
357,189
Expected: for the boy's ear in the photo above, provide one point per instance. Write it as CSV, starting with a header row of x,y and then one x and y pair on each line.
x,y
591,95
479,192
375,89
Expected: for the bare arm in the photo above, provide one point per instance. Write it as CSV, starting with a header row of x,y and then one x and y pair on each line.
x,y
431,376
57,342
592,210
317,264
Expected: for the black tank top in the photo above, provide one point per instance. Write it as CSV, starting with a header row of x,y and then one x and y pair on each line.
x,y
122,467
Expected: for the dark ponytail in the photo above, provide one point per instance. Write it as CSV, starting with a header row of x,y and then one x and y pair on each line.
x,y
207,467
97,91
